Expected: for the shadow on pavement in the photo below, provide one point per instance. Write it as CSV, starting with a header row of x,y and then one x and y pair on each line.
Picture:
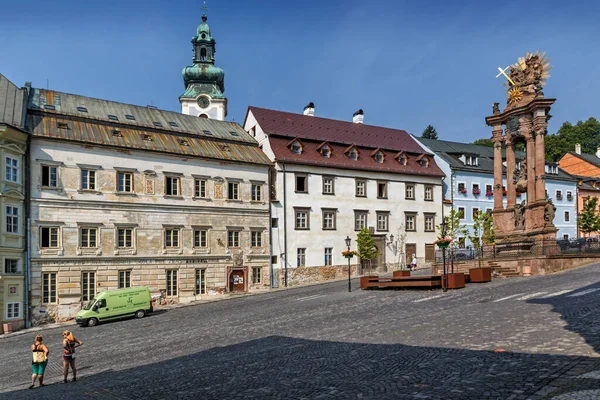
x,y
279,367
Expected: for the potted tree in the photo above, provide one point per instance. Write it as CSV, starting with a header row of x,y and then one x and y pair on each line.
x,y
483,235
366,247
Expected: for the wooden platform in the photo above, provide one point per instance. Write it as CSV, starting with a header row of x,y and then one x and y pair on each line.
x,y
424,281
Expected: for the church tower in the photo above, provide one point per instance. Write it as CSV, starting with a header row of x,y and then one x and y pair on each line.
x,y
204,83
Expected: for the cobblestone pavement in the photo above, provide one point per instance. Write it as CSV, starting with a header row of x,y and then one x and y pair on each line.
x,y
518,338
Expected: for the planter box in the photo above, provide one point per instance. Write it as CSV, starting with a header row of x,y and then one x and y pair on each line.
x,y
399,274
456,280
479,275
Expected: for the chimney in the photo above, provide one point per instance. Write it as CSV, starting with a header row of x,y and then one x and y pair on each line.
x,y
578,148
309,109
598,152
358,117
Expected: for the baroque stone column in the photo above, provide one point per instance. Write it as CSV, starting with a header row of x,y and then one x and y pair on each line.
x,y
539,129
510,174
497,140
525,129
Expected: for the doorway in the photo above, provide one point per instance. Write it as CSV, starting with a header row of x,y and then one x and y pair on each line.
x,y
237,281
411,248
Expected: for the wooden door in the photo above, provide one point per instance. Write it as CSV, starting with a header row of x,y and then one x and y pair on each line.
x,y
411,248
237,280
430,252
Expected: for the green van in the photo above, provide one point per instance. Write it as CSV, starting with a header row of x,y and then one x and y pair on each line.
x,y
115,304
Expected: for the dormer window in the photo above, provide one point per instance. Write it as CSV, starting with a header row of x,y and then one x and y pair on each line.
x,y
423,161
471,160
379,157
326,151
353,154
296,147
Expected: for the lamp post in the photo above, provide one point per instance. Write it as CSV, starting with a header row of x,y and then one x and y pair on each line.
x,y
348,240
444,276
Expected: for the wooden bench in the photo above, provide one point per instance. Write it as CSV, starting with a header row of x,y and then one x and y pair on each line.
x,y
426,281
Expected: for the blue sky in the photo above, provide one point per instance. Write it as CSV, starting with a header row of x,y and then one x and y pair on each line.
x,y
406,63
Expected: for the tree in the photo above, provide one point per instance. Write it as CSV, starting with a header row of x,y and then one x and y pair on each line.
x,y
585,133
589,219
366,247
429,133
483,232
454,229
484,142
401,246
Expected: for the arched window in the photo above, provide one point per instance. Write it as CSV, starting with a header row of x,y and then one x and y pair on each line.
x,y
203,116
203,53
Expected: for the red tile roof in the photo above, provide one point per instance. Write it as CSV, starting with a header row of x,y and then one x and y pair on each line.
x,y
283,127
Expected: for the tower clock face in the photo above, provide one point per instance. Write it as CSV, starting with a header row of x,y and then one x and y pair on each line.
x,y
203,101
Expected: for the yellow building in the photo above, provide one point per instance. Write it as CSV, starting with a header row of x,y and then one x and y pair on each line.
x,y
13,146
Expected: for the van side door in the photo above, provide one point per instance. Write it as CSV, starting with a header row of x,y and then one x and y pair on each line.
x,y
102,309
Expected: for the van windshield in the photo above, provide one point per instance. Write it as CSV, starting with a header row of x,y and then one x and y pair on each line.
x,y
89,305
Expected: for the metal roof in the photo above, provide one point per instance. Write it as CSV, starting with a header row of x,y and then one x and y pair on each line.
x,y
136,117
12,103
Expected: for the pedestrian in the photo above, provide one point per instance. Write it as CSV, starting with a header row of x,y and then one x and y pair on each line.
x,y
413,264
69,344
39,361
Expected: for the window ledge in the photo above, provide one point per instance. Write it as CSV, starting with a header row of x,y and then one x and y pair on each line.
x,y
13,235
198,250
124,251
381,198
52,251
328,194
89,191
50,188
202,198
91,251
172,197
172,251
11,183
132,194
233,201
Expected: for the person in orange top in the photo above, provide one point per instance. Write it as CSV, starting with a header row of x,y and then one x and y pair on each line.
x,y
39,361
69,344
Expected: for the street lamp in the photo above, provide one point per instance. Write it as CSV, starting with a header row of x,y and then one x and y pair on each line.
x,y
391,239
348,240
444,276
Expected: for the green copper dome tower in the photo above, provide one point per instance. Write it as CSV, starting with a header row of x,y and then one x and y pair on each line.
x,y
204,83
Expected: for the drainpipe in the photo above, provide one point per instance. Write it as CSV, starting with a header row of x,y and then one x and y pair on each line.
x,y
27,236
452,209
269,183
285,249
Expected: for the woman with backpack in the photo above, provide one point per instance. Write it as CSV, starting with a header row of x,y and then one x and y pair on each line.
x,y
39,361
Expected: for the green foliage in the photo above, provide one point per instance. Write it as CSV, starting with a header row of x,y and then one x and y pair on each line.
x,y
454,229
366,247
585,133
589,219
484,142
483,230
429,133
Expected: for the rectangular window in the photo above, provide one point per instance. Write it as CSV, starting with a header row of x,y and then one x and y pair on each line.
x,y
88,237
12,219
569,196
383,219
49,237
410,191
301,184
302,218
88,286
429,223
301,258
274,222
566,236
256,239
361,188
461,212
124,182
200,188
273,259
172,282
172,238
329,219
200,281
11,266
124,279
200,238
49,176
382,190
49,287
256,194
328,185
558,195
567,216
328,256
13,310
125,238
475,213
462,188
410,223
233,190
88,179
428,193
172,186
12,169
360,220
256,275
488,190
476,189
233,239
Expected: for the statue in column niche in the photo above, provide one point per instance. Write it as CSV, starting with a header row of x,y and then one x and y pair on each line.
x,y
521,177
520,215
549,212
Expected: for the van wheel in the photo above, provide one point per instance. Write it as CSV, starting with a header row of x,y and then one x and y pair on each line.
x,y
92,322
140,314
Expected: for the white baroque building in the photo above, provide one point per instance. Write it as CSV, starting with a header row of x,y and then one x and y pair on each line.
x,y
331,178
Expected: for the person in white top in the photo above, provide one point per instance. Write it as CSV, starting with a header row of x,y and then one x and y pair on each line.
x,y
413,264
